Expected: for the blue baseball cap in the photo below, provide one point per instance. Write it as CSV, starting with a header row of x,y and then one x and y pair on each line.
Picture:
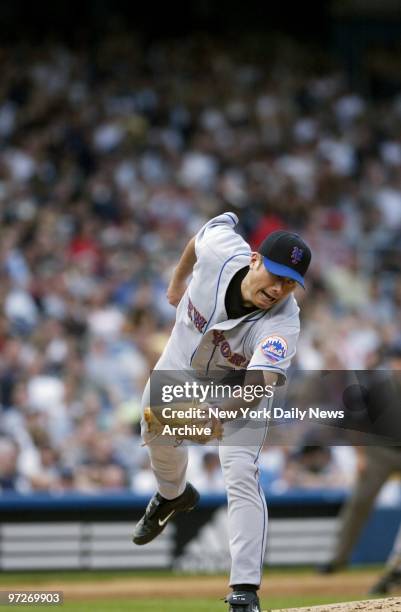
x,y
286,254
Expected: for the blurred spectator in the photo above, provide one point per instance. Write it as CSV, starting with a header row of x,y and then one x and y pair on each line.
x,y
11,478
100,467
314,467
209,477
143,482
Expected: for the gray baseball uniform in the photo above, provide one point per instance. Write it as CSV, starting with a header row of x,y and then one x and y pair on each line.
x,y
204,339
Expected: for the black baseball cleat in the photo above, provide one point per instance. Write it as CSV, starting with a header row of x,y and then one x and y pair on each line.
x,y
386,583
243,601
160,511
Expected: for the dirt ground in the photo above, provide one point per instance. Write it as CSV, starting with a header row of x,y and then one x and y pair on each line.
x,y
390,604
343,584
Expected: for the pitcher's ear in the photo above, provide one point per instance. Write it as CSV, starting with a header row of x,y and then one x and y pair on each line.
x,y
256,260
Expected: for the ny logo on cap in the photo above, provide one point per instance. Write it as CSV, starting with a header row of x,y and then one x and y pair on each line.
x,y
296,255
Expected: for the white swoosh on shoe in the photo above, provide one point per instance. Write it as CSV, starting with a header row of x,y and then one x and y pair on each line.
x,y
164,521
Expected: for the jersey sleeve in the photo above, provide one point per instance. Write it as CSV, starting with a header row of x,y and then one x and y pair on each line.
x,y
274,352
218,230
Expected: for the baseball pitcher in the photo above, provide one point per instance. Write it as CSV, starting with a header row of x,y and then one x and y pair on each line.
x,y
238,312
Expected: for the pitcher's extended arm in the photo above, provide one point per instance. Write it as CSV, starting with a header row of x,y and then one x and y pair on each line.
x,y
177,286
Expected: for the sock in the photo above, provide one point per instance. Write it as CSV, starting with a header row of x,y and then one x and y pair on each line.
x,y
245,587
164,499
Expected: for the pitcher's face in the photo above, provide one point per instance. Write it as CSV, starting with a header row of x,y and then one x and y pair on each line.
x,y
262,288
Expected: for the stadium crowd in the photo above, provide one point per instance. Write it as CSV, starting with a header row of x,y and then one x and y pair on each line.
x,y
112,156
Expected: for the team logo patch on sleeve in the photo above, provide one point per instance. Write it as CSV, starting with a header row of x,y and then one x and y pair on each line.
x,y
274,348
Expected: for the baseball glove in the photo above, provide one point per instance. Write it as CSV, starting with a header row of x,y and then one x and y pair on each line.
x,y
199,428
